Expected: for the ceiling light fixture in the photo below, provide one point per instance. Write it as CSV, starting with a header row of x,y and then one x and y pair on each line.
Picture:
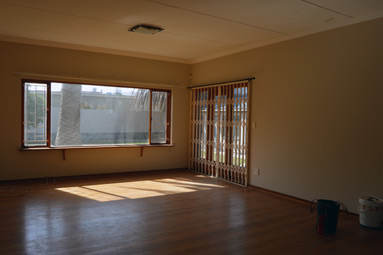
x,y
145,29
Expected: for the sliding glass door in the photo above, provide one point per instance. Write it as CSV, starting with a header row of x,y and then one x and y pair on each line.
x,y
219,131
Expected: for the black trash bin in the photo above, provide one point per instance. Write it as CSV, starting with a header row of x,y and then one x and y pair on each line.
x,y
327,215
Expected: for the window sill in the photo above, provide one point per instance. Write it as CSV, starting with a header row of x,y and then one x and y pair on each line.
x,y
94,147
63,149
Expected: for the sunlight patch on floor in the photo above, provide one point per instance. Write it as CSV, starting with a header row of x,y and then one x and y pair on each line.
x,y
91,194
137,189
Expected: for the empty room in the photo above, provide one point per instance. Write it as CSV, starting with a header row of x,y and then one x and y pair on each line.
x,y
191,127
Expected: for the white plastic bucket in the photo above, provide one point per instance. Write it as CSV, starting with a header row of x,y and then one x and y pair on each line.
x,y
371,212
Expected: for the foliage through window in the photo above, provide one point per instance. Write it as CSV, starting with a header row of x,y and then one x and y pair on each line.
x,y
64,114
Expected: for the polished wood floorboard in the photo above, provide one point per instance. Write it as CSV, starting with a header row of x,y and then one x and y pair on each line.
x,y
165,212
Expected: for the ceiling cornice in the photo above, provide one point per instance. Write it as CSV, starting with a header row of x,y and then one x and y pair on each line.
x,y
91,49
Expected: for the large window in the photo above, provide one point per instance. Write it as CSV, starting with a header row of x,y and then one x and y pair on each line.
x,y
70,115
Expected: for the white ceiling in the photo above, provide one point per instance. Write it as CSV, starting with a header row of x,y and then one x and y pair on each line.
x,y
194,30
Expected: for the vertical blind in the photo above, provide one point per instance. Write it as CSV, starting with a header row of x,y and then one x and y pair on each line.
x,y
219,131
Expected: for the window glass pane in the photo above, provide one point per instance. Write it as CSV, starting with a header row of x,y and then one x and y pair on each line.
x,y
35,117
240,118
159,116
98,115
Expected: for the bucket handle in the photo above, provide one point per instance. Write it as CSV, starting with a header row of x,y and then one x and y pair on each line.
x,y
312,205
343,207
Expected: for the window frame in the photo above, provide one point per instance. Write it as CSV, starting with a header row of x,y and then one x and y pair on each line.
x,y
48,145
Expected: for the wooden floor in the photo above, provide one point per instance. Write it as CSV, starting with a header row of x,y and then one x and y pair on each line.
x,y
165,212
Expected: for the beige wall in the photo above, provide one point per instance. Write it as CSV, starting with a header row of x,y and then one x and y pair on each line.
x,y
17,164
318,106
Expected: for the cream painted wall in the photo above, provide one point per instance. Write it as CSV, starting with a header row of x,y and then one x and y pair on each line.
x,y
17,164
318,106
